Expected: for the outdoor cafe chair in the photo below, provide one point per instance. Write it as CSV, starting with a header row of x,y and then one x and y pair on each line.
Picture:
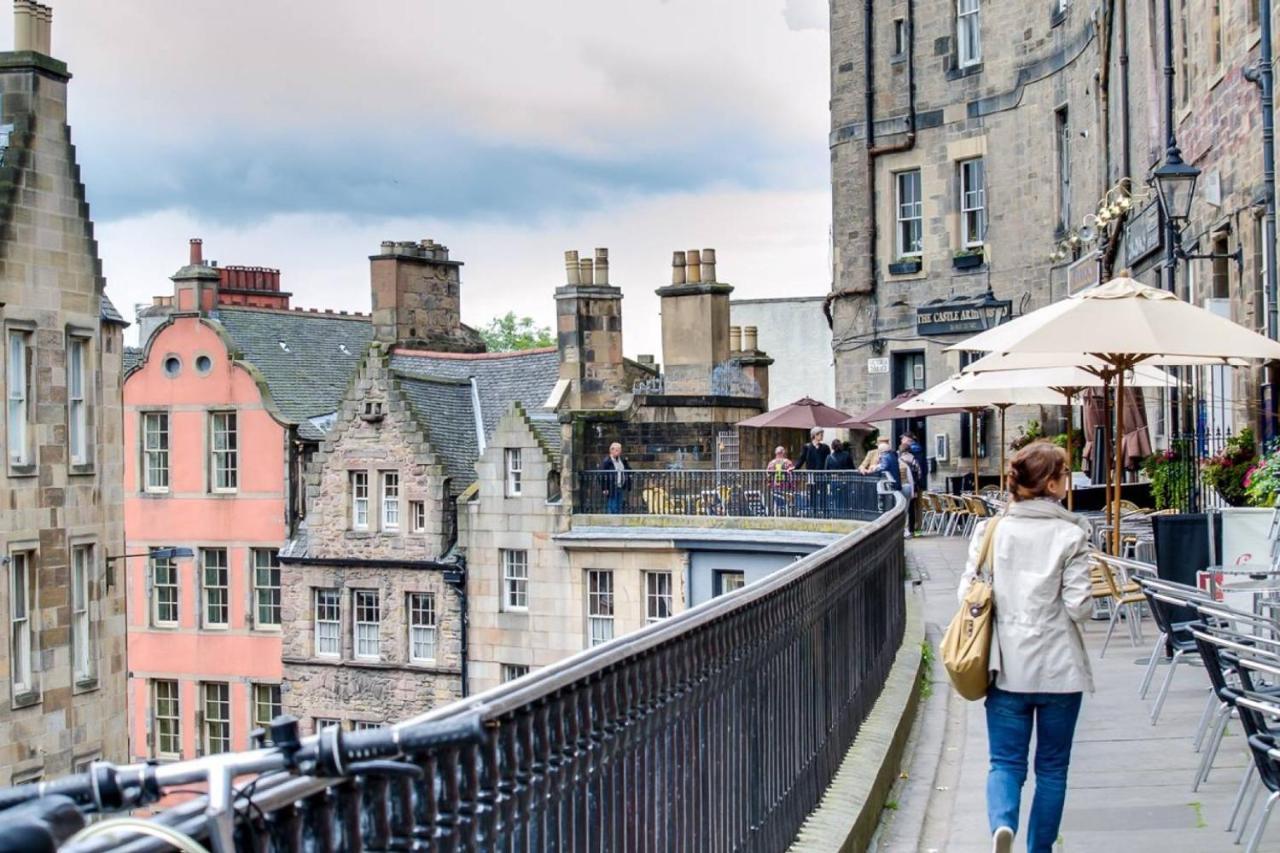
x,y
1175,640
928,511
1126,599
1255,710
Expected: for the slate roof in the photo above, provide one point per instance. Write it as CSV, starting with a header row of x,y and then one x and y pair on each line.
x,y
109,312
132,357
444,408
548,429
526,377
306,358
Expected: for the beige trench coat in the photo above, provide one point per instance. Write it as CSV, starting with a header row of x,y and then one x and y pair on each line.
x,y
1042,595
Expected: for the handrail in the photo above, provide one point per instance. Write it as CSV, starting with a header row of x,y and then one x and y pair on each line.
x,y
672,722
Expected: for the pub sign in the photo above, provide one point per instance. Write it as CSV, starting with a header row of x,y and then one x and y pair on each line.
x,y
962,317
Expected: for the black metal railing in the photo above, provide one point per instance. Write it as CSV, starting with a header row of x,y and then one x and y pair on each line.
x,y
716,729
1184,485
792,494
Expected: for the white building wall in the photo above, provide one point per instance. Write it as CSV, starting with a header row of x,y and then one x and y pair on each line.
x,y
794,332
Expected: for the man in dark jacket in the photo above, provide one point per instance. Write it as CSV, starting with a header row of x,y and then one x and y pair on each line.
x,y
839,461
813,457
889,462
617,481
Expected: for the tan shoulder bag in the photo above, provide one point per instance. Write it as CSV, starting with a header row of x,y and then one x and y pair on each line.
x,y
966,647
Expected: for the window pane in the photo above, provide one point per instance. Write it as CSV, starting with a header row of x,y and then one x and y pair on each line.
x,y
422,626
225,454
164,590
515,573
360,500
155,457
20,621
390,500
327,622
214,578
266,585
167,723
81,617
266,705
657,596
366,623
217,718
599,606
17,394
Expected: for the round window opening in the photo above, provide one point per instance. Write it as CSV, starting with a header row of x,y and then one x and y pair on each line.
x,y
172,366
204,364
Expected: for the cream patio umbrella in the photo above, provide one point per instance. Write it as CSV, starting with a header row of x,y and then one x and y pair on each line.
x,y
1124,323
1063,384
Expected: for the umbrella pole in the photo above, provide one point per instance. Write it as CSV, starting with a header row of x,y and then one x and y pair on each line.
x,y
1071,479
1106,438
1003,444
973,443
1119,466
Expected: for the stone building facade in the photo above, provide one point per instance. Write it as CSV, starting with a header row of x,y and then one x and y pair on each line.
x,y
1218,121
62,698
982,156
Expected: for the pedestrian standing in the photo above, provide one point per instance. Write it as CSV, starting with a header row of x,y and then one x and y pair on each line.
x,y
912,479
780,468
840,461
814,458
617,479
1041,594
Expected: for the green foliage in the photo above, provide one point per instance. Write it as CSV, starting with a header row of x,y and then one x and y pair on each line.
x,y
1262,481
926,671
509,333
1077,446
1226,471
1170,477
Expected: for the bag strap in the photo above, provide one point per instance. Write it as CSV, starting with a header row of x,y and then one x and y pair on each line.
x,y
985,556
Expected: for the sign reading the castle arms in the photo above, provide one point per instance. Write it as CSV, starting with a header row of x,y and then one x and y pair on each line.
x,y
959,318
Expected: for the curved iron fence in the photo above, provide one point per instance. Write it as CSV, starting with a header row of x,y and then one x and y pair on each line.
x,y
787,494
717,729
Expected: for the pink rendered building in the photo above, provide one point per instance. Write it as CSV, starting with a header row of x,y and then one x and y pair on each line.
x,y
229,396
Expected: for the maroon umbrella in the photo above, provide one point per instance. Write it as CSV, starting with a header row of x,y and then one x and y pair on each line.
x,y
890,412
804,413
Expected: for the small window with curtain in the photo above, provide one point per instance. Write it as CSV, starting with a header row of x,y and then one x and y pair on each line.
x,y
599,606
224,451
910,214
328,623
657,596
422,627
155,451
366,624
359,500
973,203
216,707
390,500
21,635
969,32
515,470
266,587
215,588
164,591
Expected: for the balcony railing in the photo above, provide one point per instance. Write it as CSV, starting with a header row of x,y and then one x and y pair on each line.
x,y
716,729
797,494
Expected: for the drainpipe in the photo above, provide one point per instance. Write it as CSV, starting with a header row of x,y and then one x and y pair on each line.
x,y
457,580
1262,76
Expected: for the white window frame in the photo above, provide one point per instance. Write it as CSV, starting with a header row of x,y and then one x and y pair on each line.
x,y
83,575
215,731
725,585
266,587
21,635
390,499
366,624
973,202
658,596
908,210
18,392
326,612
174,719
155,452
968,32
224,452
274,702
318,723
512,671
159,600
515,579
366,725
359,500
417,516
514,467
601,606
215,596
421,607
77,400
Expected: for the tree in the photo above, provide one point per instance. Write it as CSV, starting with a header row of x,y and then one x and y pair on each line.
x,y
507,333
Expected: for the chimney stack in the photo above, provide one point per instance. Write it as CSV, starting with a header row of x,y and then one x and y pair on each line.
x,y
416,291
589,333
695,324
197,252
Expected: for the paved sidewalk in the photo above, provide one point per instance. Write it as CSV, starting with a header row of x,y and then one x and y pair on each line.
x,y
1130,783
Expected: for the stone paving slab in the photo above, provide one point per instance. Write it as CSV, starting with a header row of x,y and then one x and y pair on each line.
x,y
1130,783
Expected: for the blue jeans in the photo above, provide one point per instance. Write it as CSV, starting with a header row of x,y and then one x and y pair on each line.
x,y
615,499
1009,721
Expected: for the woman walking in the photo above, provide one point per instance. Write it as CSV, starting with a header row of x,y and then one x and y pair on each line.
x,y
1040,670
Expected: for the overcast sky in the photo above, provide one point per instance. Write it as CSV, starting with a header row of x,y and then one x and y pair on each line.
x,y
299,134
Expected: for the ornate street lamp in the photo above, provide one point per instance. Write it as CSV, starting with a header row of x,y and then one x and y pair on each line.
x,y
1176,185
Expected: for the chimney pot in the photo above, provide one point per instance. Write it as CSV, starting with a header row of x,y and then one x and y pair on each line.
x,y
708,264
197,252
735,339
693,266
572,275
24,25
388,247
585,270
602,266
677,267
46,30
749,339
